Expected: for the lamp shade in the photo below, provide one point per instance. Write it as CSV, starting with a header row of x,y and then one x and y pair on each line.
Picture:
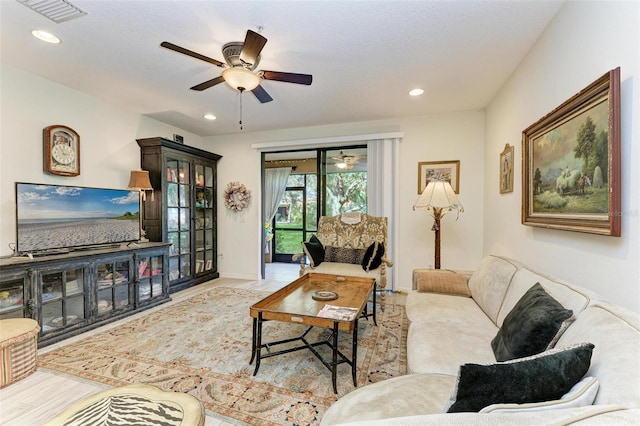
x,y
438,195
139,180
240,78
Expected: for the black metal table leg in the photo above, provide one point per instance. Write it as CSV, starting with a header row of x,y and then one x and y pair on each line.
x,y
258,342
253,341
354,352
334,364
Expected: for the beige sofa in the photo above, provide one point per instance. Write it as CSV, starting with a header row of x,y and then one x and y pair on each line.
x,y
446,331
351,231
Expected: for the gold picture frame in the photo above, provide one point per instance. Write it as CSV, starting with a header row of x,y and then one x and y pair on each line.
x,y
571,163
506,169
449,170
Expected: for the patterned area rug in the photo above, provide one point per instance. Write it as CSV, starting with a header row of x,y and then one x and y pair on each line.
x,y
202,346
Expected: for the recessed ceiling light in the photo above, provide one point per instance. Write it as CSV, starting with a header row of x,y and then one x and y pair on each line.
x,y
416,92
210,116
45,36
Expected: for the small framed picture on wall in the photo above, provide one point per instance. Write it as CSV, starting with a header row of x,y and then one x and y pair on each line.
x,y
506,169
447,170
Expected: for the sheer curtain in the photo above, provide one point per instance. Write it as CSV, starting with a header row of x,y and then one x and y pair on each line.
x,y
382,189
275,182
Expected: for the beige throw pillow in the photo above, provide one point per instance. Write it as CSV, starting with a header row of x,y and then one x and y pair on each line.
x,y
440,281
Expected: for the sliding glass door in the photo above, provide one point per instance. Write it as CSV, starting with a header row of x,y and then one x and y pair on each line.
x,y
329,181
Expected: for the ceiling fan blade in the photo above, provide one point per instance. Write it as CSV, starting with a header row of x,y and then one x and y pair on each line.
x,y
262,94
287,77
209,83
253,44
188,52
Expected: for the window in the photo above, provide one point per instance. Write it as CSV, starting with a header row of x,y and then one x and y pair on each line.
x,y
296,217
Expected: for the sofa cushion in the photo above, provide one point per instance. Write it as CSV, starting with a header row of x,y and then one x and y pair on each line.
x,y
489,283
615,332
543,377
534,325
581,394
569,296
443,307
373,256
314,251
346,269
441,346
440,281
591,415
344,255
409,395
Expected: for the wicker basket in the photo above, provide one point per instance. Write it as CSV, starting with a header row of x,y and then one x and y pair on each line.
x,y
19,345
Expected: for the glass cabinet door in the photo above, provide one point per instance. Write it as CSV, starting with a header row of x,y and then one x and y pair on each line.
x,y
12,296
114,286
204,232
150,272
178,204
63,299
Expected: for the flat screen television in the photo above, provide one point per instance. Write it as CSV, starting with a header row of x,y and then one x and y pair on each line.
x,y
51,218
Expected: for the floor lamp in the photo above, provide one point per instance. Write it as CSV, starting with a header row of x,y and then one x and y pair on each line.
x,y
440,198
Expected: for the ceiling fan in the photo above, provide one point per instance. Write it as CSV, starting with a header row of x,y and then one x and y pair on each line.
x,y
346,161
241,59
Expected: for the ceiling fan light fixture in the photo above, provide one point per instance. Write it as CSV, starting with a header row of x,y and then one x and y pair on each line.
x,y
241,79
416,92
342,165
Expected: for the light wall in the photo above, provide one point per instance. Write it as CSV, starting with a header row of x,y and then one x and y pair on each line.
x,y
584,41
108,133
453,136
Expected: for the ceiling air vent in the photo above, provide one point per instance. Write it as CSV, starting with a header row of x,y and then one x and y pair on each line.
x,y
56,10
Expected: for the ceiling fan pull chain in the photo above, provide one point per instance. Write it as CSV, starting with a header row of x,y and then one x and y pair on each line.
x,y
241,91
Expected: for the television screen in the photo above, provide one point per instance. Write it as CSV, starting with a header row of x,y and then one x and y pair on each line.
x,y
51,217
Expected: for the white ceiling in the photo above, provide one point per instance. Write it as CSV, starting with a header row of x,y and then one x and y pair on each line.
x,y
364,56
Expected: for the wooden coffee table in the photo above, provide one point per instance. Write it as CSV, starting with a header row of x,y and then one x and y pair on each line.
x,y
295,303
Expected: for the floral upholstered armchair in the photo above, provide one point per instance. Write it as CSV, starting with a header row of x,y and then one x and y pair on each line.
x,y
350,244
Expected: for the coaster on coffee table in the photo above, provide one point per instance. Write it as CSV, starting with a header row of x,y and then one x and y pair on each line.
x,y
324,295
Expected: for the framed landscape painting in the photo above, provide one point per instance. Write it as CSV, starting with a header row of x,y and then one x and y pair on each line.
x,y
447,170
571,163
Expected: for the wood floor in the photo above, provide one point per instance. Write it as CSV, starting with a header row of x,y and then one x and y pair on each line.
x,y
40,396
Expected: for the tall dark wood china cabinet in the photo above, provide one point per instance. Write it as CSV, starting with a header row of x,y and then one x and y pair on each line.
x,y
183,209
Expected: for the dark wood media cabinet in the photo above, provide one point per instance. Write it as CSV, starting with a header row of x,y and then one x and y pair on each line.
x,y
73,292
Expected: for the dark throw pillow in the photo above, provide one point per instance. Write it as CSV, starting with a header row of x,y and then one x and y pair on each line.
x,y
373,256
532,326
314,251
344,255
543,377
